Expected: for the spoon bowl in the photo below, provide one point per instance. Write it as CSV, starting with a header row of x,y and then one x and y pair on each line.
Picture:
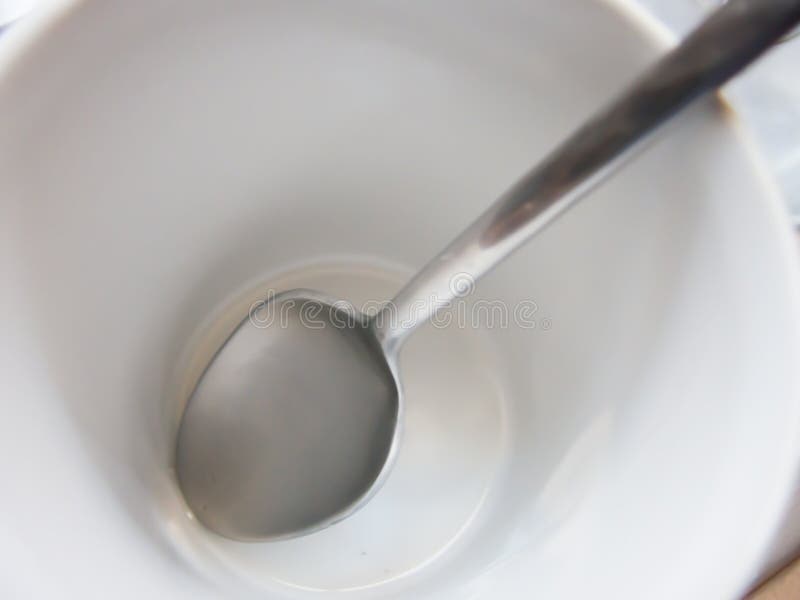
x,y
255,460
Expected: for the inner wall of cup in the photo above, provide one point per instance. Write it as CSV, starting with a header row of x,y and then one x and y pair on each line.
x,y
223,145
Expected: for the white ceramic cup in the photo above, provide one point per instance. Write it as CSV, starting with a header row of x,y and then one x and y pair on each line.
x,y
157,159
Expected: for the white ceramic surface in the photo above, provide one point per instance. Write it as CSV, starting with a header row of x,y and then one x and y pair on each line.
x,y
161,161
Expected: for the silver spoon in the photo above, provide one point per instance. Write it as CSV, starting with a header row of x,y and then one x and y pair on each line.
x,y
294,426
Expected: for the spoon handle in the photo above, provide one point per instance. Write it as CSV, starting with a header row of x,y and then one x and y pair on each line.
x,y
726,42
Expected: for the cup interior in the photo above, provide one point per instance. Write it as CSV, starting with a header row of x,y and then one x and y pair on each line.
x,y
161,165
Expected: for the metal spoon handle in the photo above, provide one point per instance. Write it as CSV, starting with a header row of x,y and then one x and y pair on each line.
x,y
725,43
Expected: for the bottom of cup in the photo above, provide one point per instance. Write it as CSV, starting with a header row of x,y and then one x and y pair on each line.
x,y
451,451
